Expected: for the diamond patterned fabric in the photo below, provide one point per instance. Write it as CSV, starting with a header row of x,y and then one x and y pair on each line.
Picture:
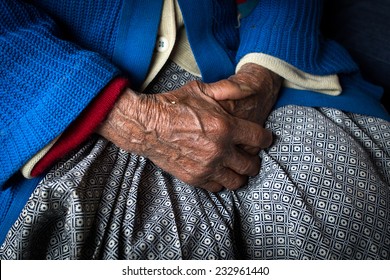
x,y
322,193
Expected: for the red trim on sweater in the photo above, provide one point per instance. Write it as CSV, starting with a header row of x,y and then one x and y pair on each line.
x,y
83,126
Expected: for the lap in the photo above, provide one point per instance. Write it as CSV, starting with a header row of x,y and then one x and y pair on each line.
x,y
322,192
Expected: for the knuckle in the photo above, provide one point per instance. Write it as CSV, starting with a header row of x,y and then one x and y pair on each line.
x,y
196,85
247,168
217,158
213,149
221,127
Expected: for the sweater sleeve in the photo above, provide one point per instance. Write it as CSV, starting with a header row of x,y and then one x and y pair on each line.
x,y
80,129
290,30
45,83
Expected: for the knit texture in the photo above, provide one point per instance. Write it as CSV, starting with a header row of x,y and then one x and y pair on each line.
x,y
290,31
45,83
83,126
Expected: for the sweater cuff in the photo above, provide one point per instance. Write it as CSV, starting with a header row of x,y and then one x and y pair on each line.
x,y
29,166
78,131
293,77
290,30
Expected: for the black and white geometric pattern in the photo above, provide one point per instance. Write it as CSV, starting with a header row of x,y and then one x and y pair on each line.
x,y
323,192
170,78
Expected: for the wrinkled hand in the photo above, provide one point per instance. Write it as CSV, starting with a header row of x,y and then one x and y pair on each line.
x,y
189,135
250,94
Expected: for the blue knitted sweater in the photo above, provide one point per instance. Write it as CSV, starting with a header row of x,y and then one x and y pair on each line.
x,y
56,56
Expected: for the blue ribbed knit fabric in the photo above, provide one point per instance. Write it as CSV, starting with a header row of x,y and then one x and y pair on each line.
x,y
56,56
45,82
290,31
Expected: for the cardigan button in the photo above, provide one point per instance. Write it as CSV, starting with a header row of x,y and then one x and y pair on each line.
x,y
162,44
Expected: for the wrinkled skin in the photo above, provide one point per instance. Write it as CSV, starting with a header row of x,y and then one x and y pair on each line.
x,y
249,95
207,135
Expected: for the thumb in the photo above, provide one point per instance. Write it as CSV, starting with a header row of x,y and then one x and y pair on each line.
x,y
226,90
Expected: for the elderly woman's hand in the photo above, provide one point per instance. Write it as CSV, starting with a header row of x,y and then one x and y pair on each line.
x,y
250,94
188,134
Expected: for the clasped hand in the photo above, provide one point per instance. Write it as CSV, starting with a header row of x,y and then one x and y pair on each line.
x,y
207,135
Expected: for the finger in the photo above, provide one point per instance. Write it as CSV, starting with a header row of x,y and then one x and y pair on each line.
x,y
212,186
243,163
230,179
227,90
251,134
250,150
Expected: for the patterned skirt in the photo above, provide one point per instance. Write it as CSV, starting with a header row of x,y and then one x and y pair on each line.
x,y
323,192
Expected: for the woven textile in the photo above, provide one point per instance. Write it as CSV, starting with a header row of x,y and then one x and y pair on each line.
x,y
322,193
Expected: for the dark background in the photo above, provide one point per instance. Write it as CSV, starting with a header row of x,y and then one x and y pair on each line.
x,y
363,27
